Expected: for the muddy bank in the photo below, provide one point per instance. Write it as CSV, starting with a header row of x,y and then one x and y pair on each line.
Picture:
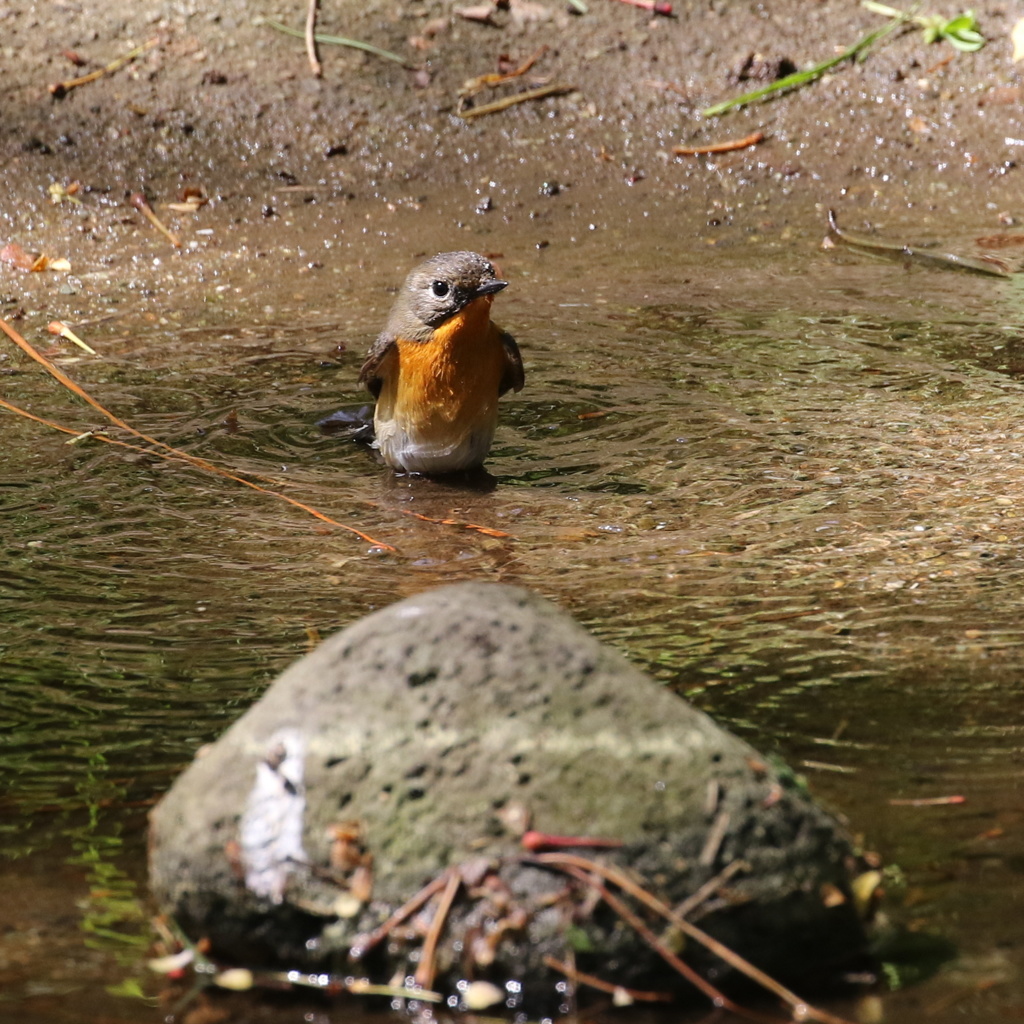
x,y
224,103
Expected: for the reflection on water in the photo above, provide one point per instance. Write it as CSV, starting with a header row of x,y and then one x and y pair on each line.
x,y
800,508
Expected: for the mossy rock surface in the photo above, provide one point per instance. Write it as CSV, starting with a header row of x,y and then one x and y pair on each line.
x,y
415,736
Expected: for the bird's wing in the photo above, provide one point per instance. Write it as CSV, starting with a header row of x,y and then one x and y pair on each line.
x,y
513,378
368,374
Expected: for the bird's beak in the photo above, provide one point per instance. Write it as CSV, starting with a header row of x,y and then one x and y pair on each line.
x,y
490,287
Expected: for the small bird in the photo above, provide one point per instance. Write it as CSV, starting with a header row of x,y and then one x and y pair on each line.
x,y
439,367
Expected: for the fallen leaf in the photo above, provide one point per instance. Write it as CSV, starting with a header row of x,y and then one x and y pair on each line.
x,y
527,11
44,262
61,194
182,207
1000,96
832,896
477,12
346,906
16,256
174,962
238,979
479,995
1017,38
622,997
864,887
189,200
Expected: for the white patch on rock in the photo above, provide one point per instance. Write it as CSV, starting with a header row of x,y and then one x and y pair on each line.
x,y
270,829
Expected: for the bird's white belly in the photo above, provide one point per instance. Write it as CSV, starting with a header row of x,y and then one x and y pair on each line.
x,y
407,451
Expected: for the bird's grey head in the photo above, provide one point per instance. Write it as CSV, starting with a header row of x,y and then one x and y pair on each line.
x,y
446,283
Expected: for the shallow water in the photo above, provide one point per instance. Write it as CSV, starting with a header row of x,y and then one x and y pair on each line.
x,y
786,481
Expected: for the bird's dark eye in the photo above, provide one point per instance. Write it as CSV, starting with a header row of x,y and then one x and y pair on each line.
x,y
440,288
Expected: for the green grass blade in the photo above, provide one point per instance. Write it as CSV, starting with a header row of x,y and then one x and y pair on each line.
x,y
799,78
354,44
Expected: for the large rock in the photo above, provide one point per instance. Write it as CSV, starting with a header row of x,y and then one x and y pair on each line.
x,y
419,735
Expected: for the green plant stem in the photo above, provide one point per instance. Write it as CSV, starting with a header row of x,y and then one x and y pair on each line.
x,y
799,78
960,32
354,44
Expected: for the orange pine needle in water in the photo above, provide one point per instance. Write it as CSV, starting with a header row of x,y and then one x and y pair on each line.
x,y
928,801
720,147
168,452
487,530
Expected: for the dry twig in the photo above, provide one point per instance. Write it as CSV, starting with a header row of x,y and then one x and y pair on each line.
x,y
141,203
985,264
495,78
314,61
720,147
578,977
406,910
520,97
717,998
581,867
60,89
695,899
424,975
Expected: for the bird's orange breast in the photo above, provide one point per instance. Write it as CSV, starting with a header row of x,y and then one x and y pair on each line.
x,y
448,386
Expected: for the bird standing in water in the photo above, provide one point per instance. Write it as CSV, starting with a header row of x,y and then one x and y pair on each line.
x,y
439,367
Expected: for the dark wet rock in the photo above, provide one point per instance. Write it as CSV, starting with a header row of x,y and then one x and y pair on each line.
x,y
418,736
